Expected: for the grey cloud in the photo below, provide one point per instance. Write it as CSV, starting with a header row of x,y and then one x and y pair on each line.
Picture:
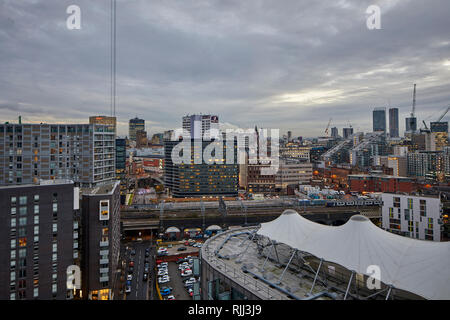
x,y
233,58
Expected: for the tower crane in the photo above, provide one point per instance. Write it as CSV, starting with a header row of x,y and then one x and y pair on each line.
x,y
443,115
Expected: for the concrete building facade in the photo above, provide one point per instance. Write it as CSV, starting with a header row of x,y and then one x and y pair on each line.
x,y
84,153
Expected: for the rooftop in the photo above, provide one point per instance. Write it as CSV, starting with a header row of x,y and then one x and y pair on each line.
x,y
105,189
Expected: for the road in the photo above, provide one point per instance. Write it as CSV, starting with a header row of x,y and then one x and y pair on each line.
x,y
140,289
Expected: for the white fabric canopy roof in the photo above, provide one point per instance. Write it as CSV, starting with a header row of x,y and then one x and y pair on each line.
x,y
172,229
418,266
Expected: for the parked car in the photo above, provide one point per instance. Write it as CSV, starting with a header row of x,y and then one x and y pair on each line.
x,y
186,273
127,289
190,279
165,291
163,279
181,260
162,273
169,245
181,249
130,270
129,277
133,252
145,276
171,297
189,283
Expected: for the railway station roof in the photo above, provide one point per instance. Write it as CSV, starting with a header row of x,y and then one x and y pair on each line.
x,y
418,266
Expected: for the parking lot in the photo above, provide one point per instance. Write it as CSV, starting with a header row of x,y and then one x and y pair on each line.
x,y
176,283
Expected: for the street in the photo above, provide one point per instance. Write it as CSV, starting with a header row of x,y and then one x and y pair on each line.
x,y
140,289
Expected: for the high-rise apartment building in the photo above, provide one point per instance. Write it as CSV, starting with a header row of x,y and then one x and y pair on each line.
x,y
199,177
393,123
84,153
135,125
111,122
412,216
100,216
347,132
334,132
39,237
379,119
201,126
121,157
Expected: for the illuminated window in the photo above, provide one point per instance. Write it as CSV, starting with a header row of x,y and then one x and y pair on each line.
x,y
22,242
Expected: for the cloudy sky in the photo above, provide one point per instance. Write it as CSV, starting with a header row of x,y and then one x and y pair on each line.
x,y
289,64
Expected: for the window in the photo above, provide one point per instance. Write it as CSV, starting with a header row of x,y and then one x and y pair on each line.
x,y
54,257
396,202
410,203
13,200
23,242
22,253
36,219
36,198
13,210
55,227
23,211
13,243
13,222
54,288
36,209
423,208
22,221
36,230
55,207
23,200
55,247
35,292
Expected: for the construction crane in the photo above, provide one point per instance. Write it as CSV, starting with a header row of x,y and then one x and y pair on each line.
x,y
328,126
443,115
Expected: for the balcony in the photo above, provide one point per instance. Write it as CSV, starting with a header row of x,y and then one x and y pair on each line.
x,y
104,252
104,243
104,279
104,270
104,261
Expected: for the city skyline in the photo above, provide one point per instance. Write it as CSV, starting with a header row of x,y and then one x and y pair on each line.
x,y
288,66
